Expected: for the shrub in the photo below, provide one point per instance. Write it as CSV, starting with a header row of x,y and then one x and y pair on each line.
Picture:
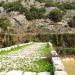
x,y
1,4
4,23
50,4
13,6
35,13
56,15
44,1
72,22
67,5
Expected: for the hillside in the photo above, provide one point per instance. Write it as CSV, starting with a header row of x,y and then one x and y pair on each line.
x,y
18,19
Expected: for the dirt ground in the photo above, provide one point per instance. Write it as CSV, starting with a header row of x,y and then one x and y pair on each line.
x,y
69,64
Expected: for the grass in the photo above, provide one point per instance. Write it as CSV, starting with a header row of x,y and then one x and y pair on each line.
x,y
70,67
70,50
43,65
40,65
29,64
12,49
45,50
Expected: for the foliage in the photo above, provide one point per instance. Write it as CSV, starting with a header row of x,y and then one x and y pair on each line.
x,y
56,15
12,49
67,5
44,65
13,6
1,4
8,41
51,4
44,1
68,51
72,22
4,23
35,13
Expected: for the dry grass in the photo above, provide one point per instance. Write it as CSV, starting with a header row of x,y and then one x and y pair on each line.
x,y
69,66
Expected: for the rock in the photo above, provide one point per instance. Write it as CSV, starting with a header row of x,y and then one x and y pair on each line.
x,y
1,9
29,73
39,5
60,73
49,9
14,73
44,73
2,73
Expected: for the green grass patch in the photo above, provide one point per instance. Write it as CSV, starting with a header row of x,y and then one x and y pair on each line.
x,y
70,50
45,50
43,65
12,49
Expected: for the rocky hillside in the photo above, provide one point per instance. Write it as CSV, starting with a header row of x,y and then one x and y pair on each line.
x,y
34,17
23,21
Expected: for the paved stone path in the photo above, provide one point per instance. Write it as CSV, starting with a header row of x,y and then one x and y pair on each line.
x,y
28,51
18,59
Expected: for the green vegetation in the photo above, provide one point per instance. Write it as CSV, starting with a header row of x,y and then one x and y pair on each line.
x,y
39,65
68,50
43,65
56,15
51,4
44,1
72,22
35,13
1,4
4,23
61,5
45,50
32,63
12,49
66,5
14,6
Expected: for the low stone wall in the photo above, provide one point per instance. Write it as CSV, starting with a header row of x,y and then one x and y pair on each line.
x,y
58,65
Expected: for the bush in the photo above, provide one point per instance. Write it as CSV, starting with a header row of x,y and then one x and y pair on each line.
x,y
1,4
72,22
50,4
67,5
4,23
13,6
44,1
35,13
56,15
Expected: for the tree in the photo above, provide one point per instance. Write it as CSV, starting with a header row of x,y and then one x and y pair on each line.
x,y
56,15
72,22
